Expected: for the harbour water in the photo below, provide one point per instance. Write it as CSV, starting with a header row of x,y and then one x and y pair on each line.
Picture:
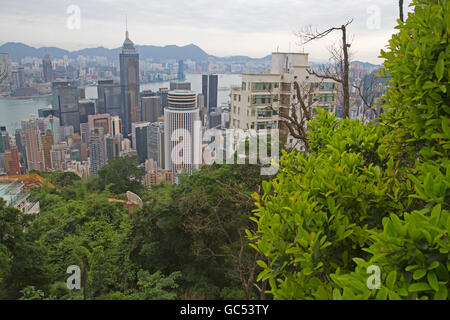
x,y
12,111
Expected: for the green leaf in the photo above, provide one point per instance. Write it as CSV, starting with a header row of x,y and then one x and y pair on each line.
x,y
262,264
419,274
432,280
419,286
336,294
446,126
394,296
442,294
390,279
440,66
267,186
433,265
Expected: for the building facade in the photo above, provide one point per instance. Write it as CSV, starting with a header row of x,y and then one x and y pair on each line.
x,y
129,83
258,103
65,102
181,128
209,90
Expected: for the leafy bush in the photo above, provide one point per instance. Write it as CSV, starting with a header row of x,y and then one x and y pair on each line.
x,y
370,195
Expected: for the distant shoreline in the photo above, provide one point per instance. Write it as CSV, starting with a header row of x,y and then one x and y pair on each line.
x,y
27,97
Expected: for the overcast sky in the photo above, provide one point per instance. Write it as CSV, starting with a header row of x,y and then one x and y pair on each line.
x,y
220,27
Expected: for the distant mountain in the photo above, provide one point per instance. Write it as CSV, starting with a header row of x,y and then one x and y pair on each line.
x,y
19,51
366,65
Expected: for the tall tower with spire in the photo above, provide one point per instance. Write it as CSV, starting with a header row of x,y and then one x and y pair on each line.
x,y
129,82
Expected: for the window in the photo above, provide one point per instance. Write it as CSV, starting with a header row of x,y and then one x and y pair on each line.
x,y
265,113
261,86
327,86
261,99
327,97
244,86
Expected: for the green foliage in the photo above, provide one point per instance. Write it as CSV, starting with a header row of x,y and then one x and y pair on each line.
x,y
155,286
418,60
31,293
121,175
370,194
321,207
197,227
59,179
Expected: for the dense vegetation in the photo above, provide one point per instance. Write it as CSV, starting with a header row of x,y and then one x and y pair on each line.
x,y
370,194
366,194
188,241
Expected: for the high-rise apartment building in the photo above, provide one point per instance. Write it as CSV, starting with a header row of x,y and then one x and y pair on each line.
x,y
155,142
181,132
59,156
12,162
97,152
257,104
33,145
209,91
129,82
47,143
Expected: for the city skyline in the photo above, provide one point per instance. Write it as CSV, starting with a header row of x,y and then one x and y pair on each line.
x,y
239,28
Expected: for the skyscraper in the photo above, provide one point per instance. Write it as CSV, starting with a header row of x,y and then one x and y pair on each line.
x,y
109,97
47,68
156,144
140,139
97,154
4,140
65,102
33,145
12,161
129,82
181,137
47,143
209,91
86,107
181,75
113,146
162,93
150,108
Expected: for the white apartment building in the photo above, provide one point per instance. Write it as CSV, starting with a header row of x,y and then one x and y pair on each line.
x,y
252,104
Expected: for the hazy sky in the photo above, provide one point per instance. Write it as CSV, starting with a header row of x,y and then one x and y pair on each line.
x,y
227,27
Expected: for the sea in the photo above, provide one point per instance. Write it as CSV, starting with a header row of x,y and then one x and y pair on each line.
x,y
13,110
